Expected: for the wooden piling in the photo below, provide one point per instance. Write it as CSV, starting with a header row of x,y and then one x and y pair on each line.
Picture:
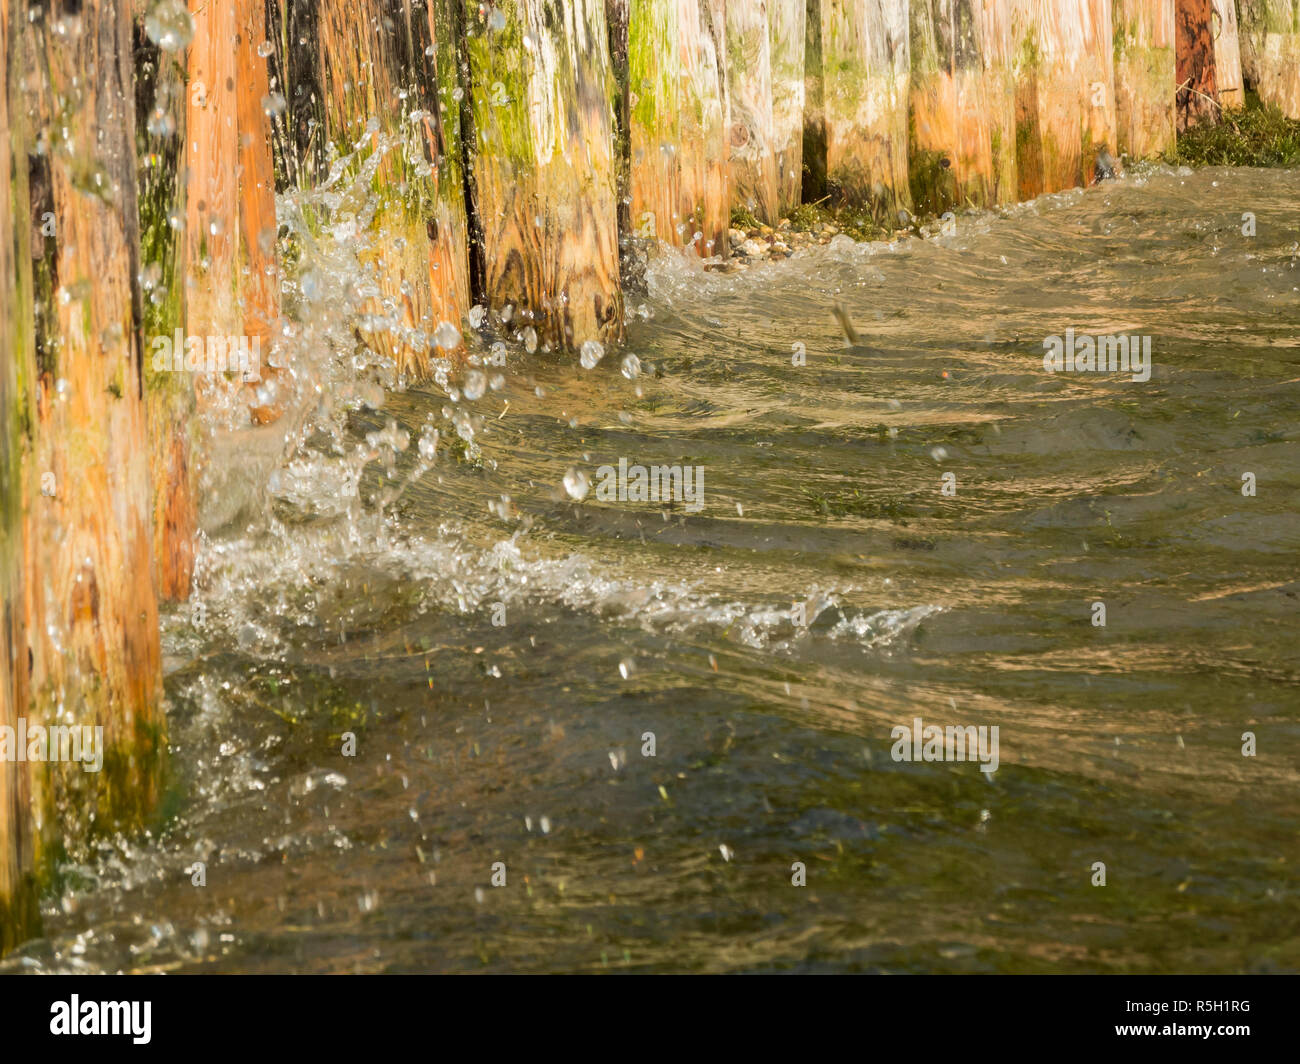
x,y
542,93
1270,51
1144,76
1197,98
705,123
390,102
1227,55
962,122
91,593
753,133
865,95
18,908
785,20
1065,96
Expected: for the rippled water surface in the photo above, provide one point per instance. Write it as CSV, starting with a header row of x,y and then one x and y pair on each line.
x,y
322,610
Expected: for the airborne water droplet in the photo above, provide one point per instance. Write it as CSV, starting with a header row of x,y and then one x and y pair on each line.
x,y
592,352
447,336
475,384
631,367
169,25
576,484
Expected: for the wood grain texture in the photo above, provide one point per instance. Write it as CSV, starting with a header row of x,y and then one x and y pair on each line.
x,y
1227,55
1197,98
753,134
1270,51
655,70
866,72
962,135
1065,98
544,164
19,914
786,19
1145,70
389,92
91,603
705,122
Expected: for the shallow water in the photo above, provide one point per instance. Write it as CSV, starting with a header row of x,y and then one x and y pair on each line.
x,y
318,613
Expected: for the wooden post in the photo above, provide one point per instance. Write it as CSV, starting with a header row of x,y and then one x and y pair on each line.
x,y
753,134
654,58
91,602
162,110
544,166
814,106
962,133
1197,99
1270,51
1065,98
1144,76
865,92
705,123
786,20
1227,55
18,909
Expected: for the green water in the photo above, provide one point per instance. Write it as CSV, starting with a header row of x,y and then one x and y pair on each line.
x,y
522,742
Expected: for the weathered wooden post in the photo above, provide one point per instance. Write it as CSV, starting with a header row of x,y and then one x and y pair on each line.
x,y
1270,51
705,125
1227,56
18,912
544,164
786,20
161,101
814,106
962,133
654,60
866,70
1144,76
1197,98
1065,98
91,605
753,133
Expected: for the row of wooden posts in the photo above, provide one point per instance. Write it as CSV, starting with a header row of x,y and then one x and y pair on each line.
x,y
514,151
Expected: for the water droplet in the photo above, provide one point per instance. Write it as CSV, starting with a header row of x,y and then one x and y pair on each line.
x,y
631,367
530,339
447,336
938,453
625,668
160,124
497,20
274,104
475,384
265,48
592,352
477,315
576,484
169,25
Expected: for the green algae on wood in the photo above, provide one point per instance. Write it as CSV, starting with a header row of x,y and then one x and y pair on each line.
x,y
752,135
962,116
90,604
1270,51
542,89
786,19
865,93
705,122
1144,76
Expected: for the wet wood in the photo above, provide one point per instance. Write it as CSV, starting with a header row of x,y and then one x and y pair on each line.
x,y
814,107
705,122
655,145
753,134
1065,97
18,909
962,133
1144,76
390,104
91,593
1270,51
865,96
786,20
541,86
